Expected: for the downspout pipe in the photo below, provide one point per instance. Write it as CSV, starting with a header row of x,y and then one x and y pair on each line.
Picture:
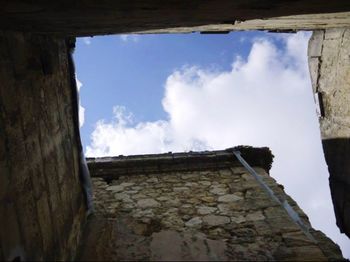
x,y
283,203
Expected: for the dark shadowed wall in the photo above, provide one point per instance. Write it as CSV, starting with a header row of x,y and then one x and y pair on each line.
x,y
42,204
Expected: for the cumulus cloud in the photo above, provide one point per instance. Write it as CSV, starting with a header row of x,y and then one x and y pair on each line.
x,y
227,106
129,38
81,109
264,100
87,40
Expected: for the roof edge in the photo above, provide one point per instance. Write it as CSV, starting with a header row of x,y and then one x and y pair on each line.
x,y
255,156
108,167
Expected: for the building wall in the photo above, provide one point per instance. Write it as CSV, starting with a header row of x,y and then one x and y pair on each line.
x,y
41,200
329,53
197,215
90,17
276,24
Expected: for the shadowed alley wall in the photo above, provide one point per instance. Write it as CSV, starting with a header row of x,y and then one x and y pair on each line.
x,y
329,62
41,201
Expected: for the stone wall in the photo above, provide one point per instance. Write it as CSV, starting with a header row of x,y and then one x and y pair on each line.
x,y
214,214
329,61
41,199
91,17
276,24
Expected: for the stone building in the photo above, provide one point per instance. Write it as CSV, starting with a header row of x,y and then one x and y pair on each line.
x,y
196,206
44,182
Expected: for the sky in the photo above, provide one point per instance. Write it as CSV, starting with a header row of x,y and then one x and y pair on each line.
x,y
161,93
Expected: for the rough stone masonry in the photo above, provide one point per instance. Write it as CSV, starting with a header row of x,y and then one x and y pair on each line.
x,y
173,208
42,207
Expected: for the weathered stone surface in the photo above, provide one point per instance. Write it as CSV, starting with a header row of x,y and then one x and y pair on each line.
x,y
147,203
126,184
218,190
122,197
191,184
171,246
330,74
230,208
173,202
229,198
238,219
143,213
172,222
296,239
193,222
138,196
152,180
204,210
115,188
240,225
204,183
166,246
313,252
255,216
163,198
131,192
41,198
208,199
213,220
179,189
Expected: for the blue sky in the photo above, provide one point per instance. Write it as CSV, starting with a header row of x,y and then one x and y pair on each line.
x,y
131,71
160,93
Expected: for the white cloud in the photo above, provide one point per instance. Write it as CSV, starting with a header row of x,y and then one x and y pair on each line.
x,y
87,40
81,109
265,100
110,137
127,38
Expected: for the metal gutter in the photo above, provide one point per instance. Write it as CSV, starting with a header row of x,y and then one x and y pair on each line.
x,y
284,203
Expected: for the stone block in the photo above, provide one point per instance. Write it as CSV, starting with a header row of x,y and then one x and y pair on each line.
x,y
213,220
309,253
147,203
262,228
333,33
204,210
280,225
315,49
296,239
255,216
314,64
194,222
229,198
